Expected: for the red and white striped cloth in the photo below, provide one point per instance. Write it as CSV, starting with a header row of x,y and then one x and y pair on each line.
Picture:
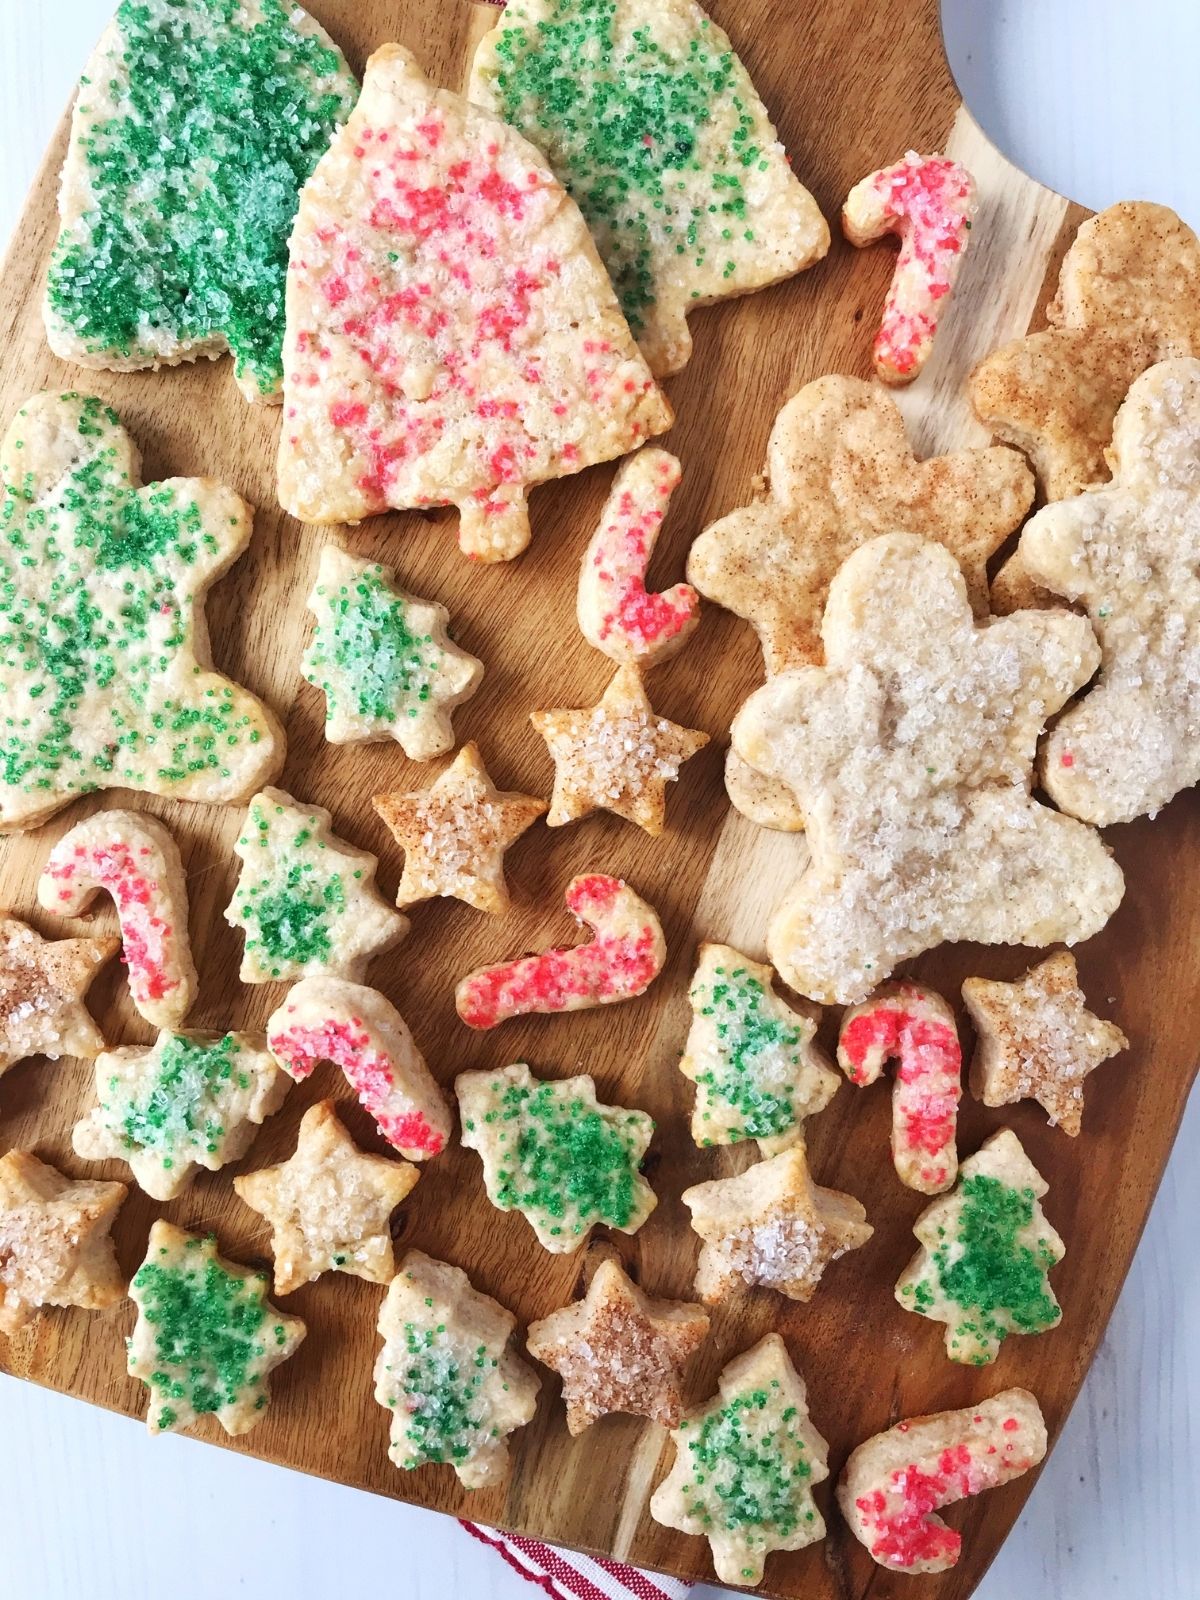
x,y
567,1575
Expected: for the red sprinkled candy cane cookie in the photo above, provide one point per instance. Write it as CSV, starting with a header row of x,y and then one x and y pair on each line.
x,y
615,611
623,959
929,201
915,1027
133,858
894,1483
328,1019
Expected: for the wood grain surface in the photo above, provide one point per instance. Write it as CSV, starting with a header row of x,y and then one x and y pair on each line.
x,y
850,87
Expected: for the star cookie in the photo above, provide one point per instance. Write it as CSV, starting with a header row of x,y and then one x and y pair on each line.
x,y
383,659
454,834
618,1350
551,1151
745,1466
841,472
42,985
328,1205
448,1374
757,1071
914,746
189,1100
1037,1040
56,1244
985,1252
771,1225
616,756
306,900
206,1336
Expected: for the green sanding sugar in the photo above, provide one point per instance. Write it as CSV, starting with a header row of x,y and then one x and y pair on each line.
x,y
750,1470
289,901
445,1416
187,1104
759,1053
197,134
368,651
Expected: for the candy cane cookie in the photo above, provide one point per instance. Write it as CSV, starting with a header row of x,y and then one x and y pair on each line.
x,y
894,1483
620,962
133,858
929,201
911,1025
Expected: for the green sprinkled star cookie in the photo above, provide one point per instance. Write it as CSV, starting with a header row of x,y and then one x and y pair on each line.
x,y
196,124
190,1100
554,1153
104,674
985,1252
745,1466
306,900
206,1336
455,1388
383,660
653,126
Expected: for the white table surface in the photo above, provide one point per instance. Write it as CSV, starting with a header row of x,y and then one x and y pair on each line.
x,y
1096,98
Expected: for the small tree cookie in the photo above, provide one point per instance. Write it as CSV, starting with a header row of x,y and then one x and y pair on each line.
x,y
985,1252
56,1245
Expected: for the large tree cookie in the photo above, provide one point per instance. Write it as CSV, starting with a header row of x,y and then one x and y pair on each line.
x,y
894,1483
195,125
383,659
771,1225
452,338
56,1245
985,1252
652,123
189,1100
757,1070
42,985
914,747
841,472
305,899
206,1337
551,1151
104,661
448,1374
1037,1040
745,1466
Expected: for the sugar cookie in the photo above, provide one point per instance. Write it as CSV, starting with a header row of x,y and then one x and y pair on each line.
x,y
42,985
56,1245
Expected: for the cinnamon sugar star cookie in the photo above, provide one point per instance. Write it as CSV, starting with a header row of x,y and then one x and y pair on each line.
x,y
56,1246
772,1225
328,1204
42,985
619,1350
454,834
1037,1040
616,756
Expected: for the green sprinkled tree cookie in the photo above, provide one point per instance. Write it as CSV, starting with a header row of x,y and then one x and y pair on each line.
x,y
985,1252
757,1071
447,1374
189,1100
196,123
653,126
306,900
554,1153
104,674
383,660
206,1336
745,1466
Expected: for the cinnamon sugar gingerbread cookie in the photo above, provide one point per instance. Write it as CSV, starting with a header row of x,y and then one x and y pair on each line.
x,y
56,1245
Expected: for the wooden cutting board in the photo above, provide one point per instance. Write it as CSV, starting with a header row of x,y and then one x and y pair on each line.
x,y
851,87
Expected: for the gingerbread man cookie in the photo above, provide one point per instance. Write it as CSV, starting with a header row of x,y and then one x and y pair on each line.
x,y
42,985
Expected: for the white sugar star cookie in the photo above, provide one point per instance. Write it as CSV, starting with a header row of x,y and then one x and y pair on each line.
x,y
42,985
56,1244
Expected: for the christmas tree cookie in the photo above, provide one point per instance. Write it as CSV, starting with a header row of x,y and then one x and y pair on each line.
x,y
206,1336
104,675
306,900
554,1153
757,1071
189,1100
452,337
195,125
448,1375
383,660
745,1466
653,125
985,1252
